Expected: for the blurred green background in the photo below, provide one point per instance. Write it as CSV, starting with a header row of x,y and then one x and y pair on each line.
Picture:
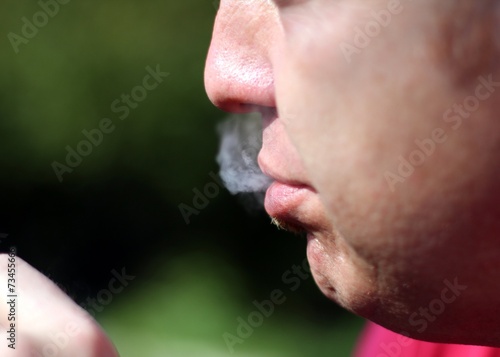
x,y
119,207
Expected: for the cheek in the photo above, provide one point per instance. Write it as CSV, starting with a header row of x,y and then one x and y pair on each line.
x,y
356,123
326,102
353,123
352,120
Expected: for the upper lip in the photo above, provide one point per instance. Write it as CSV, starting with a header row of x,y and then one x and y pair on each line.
x,y
265,161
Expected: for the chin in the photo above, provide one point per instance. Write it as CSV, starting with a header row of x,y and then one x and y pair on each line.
x,y
341,277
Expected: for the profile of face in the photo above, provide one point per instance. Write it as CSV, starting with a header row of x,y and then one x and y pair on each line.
x,y
382,136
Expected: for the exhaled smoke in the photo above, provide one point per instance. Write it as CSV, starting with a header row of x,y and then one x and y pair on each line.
x,y
241,140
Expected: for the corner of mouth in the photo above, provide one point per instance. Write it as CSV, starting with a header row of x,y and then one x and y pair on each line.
x,y
289,225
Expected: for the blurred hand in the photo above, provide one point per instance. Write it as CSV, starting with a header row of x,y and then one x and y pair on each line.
x,y
46,321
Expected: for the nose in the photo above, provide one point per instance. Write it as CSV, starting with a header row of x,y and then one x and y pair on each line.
x,y
238,71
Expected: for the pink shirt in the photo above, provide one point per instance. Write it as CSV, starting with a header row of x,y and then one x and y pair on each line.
x,y
377,341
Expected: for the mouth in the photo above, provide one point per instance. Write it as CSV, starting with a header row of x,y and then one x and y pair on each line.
x,y
290,200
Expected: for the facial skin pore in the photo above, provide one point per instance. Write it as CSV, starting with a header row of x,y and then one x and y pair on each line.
x,y
390,231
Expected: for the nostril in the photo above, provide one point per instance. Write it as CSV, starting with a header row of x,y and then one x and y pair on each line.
x,y
239,97
235,107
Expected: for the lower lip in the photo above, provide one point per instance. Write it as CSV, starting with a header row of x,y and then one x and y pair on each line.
x,y
282,200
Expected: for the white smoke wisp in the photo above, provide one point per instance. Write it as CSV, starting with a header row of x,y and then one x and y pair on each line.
x,y
240,143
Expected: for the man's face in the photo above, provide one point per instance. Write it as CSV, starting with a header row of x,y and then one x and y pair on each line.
x,y
381,134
